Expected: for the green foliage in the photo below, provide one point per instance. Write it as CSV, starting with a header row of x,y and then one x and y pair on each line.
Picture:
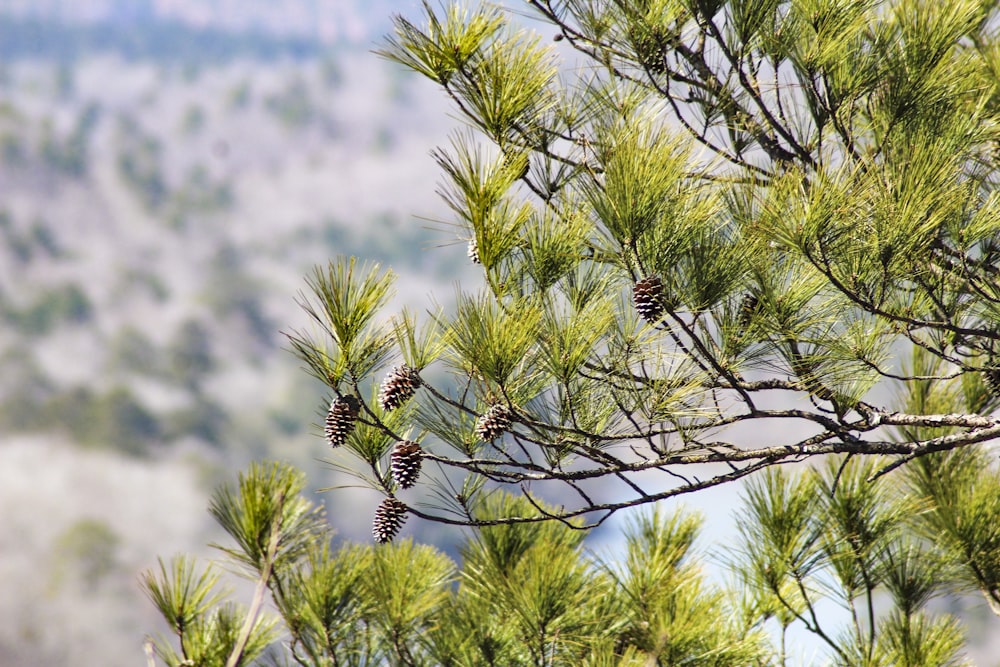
x,y
447,45
672,613
410,582
207,631
790,196
529,594
179,593
496,341
525,594
322,606
345,309
837,533
269,520
962,517
712,245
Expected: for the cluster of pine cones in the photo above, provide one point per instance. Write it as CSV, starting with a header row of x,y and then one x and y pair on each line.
x,y
398,387
402,383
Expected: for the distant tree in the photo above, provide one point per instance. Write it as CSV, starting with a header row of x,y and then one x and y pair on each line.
x,y
729,237
194,120
197,196
88,549
44,238
65,80
233,292
239,96
139,161
190,356
331,72
293,104
113,419
70,155
59,305
12,149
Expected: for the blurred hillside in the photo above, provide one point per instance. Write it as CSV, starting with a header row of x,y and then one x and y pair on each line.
x,y
326,21
158,215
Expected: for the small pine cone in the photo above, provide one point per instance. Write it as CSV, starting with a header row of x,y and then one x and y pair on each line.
x,y
406,458
648,297
747,309
398,387
651,50
494,422
473,252
340,419
992,378
389,518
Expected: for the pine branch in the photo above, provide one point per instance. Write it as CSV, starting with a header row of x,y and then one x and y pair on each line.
x,y
261,587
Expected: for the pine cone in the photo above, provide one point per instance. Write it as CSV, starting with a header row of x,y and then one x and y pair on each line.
x,y
992,378
747,309
494,422
473,252
340,419
406,456
398,387
651,49
389,518
648,297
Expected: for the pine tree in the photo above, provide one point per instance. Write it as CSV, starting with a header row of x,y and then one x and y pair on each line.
x,y
836,161
784,239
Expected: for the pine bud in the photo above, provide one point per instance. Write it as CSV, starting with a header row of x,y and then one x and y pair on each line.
x,y
389,518
340,419
398,387
406,457
473,252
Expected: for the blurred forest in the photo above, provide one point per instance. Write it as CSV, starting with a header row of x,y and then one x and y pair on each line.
x,y
168,177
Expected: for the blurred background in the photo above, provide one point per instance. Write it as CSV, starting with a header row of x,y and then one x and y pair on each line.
x,y
170,171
